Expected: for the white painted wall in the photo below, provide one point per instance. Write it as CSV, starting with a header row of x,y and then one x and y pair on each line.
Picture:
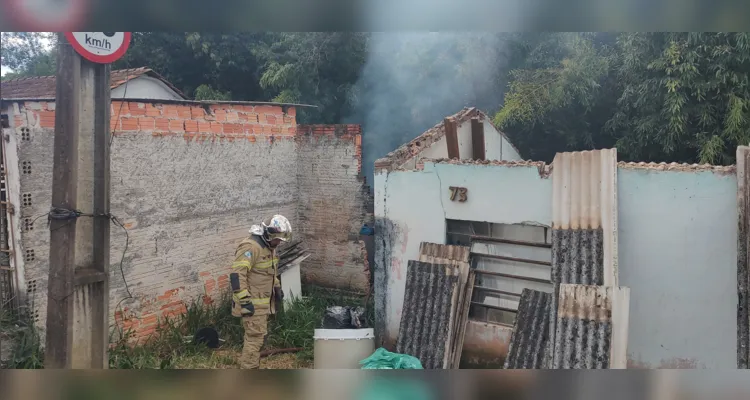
x,y
145,87
678,254
677,247
418,202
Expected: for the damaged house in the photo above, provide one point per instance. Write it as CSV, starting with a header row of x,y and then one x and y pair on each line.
x,y
188,178
661,238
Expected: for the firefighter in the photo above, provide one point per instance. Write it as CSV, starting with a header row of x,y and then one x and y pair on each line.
x,y
255,285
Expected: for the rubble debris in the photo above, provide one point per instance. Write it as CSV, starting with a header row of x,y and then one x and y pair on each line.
x,y
291,254
338,317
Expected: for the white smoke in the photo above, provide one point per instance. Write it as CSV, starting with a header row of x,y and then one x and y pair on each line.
x,y
411,81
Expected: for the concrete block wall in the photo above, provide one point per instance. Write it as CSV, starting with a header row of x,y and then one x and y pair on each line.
x,y
333,204
187,181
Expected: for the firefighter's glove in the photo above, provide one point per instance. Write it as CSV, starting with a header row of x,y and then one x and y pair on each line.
x,y
242,301
278,295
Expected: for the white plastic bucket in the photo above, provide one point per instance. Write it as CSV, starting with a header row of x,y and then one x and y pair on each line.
x,y
342,348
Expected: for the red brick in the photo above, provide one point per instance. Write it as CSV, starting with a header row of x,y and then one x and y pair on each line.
x,y
262,118
288,120
136,108
184,112
162,124
149,320
232,117
119,106
271,119
197,112
233,128
291,111
216,127
268,109
19,121
129,124
191,125
220,115
172,305
170,111
153,111
147,123
145,332
276,129
176,125
204,126
47,119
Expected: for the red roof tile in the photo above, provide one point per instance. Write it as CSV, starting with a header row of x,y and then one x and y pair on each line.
x,y
43,87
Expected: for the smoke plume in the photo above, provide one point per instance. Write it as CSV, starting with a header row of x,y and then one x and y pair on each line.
x,y
411,81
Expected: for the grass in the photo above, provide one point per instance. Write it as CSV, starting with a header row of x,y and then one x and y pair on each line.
x,y
171,348
26,347
294,327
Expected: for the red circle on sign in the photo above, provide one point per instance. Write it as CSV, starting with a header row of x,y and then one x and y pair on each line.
x,y
30,21
110,58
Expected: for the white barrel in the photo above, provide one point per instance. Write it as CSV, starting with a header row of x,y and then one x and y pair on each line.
x,y
342,348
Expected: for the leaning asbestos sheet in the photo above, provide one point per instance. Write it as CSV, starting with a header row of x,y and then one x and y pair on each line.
x,y
455,256
430,307
592,327
528,343
584,223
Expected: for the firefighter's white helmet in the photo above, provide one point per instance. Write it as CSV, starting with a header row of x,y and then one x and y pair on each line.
x,y
277,227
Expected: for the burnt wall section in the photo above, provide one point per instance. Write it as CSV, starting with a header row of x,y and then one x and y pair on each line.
x,y
334,203
743,247
427,316
530,337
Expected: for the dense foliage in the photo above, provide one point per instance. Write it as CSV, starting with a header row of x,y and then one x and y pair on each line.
x,y
655,96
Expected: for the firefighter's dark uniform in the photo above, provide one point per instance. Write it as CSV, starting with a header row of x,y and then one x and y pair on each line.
x,y
256,266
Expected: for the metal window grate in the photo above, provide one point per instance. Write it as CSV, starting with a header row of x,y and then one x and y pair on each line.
x,y
507,259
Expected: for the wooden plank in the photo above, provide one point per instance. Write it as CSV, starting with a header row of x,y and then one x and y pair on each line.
x,y
743,255
451,138
59,335
477,139
465,307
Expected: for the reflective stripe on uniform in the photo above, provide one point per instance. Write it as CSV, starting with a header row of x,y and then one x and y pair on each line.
x,y
242,294
262,301
266,264
241,264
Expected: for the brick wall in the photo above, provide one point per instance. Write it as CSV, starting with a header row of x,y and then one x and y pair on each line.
x,y
333,205
188,181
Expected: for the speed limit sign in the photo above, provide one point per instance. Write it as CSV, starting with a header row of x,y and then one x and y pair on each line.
x,y
99,47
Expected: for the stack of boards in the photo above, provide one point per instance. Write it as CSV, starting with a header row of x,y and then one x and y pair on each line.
x,y
436,305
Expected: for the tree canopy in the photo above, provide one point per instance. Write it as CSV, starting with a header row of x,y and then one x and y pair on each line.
x,y
680,97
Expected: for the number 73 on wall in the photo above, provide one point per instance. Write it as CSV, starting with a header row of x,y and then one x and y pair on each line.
x,y
458,194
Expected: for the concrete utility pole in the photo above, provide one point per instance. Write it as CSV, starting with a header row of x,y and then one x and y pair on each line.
x,y
78,286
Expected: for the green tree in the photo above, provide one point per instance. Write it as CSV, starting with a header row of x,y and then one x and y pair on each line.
x,y
317,68
562,97
28,53
685,96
